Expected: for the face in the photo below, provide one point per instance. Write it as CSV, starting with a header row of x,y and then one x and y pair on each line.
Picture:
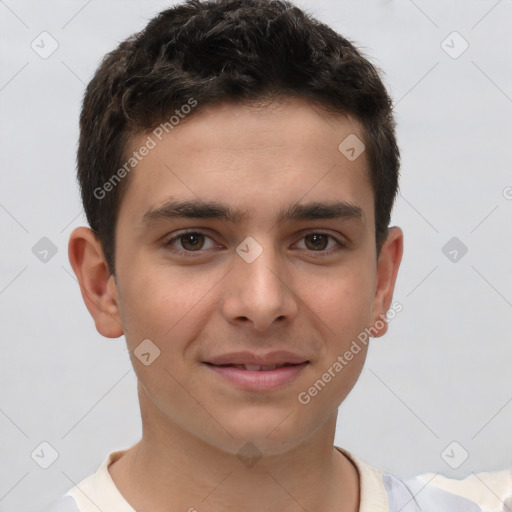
x,y
246,240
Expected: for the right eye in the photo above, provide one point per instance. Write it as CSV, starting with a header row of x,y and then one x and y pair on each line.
x,y
190,242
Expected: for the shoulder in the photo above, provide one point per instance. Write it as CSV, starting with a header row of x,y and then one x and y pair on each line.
x,y
429,492
93,493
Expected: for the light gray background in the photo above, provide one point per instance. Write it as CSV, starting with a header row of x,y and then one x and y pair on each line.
x,y
441,374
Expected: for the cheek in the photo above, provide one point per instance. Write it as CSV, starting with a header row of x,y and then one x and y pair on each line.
x,y
343,301
164,305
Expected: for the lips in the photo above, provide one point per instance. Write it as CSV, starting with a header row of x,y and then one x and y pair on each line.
x,y
254,367
258,372
252,378
257,367
257,362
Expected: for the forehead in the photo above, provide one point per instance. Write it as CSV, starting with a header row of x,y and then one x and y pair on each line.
x,y
236,153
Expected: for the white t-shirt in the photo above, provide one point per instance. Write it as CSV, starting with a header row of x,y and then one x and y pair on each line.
x,y
379,492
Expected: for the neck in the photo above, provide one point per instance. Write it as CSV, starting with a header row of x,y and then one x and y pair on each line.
x,y
171,470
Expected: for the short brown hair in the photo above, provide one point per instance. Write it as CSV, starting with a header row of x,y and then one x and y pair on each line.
x,y
218,51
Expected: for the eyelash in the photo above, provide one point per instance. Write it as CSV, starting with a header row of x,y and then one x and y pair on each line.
x,y
180,252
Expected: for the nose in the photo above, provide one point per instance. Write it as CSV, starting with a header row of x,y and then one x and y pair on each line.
x,y
260,293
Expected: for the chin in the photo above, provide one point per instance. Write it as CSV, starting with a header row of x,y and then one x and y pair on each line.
x,y
271,432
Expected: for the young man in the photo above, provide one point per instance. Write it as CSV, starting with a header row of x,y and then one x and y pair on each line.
x,y
238,167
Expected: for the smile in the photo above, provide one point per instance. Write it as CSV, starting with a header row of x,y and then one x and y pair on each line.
x,y
254,377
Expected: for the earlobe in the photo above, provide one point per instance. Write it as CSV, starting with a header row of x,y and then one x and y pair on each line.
x,y
387,270
97,286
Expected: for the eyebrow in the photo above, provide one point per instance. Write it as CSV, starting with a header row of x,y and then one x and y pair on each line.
x,y
193,209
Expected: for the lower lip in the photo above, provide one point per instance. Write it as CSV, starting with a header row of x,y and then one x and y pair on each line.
x,y
265,380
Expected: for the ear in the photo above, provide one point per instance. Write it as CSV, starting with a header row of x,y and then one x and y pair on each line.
x,y
387,269
98,287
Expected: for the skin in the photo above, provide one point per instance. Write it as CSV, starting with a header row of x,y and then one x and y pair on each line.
x,y
309,299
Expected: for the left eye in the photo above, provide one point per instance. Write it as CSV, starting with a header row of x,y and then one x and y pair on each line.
x,y
319,241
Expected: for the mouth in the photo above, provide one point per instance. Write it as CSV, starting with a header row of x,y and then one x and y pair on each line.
x,y
254,367
256,377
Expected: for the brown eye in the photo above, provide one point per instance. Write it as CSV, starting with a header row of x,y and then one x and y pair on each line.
x,y
316,241
189,242
324,244
192,241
